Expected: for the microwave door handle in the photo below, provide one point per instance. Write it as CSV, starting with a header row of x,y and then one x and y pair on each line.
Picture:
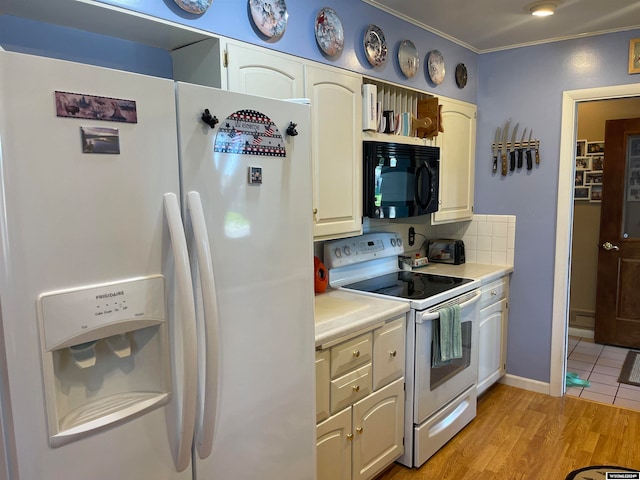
x,y
421,204
429,183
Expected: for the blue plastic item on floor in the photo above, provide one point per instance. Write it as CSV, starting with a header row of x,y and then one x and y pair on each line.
x,y
573,380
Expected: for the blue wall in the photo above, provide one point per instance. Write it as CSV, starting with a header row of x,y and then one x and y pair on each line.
x,y
231,18
36,38
524,84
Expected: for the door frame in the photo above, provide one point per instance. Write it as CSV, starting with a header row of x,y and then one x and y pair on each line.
x,y
564,223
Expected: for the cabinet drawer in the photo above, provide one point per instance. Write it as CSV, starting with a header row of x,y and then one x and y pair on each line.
x,y
322,385
349,355
494,291
388,353
350,388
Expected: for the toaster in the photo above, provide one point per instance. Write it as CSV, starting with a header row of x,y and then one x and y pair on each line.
x,y
446,250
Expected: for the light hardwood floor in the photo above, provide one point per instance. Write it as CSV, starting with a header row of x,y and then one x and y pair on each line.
x,y
518,434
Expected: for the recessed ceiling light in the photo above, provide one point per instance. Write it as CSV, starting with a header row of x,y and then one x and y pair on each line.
x,y
543,9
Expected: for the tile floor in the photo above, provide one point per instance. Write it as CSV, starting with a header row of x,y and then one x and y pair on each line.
x,y
601,365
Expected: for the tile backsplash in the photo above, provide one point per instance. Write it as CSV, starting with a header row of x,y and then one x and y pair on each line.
x,y
488,239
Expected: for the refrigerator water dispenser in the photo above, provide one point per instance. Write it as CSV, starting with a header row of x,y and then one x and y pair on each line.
x,y
105,354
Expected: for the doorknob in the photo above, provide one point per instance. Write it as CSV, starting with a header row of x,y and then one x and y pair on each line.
x,y
610,246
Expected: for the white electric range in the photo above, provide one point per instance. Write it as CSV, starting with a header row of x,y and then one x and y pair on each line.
x,y
440,399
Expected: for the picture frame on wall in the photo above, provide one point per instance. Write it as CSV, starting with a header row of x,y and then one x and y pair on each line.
x,y
581,193
579,178
593,178
597,163
595,148
581,148
634,55
583,163
595,193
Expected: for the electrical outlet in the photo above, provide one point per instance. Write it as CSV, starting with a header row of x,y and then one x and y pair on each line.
x,y
412,236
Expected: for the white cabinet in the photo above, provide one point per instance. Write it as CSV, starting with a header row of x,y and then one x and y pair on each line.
x,y
334,440
257,71
389,363
457,161
336,116
492,333
239,67
364,433
378,422
322,385
201,63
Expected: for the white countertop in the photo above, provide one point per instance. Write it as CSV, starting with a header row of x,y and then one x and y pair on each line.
x,y
340,314
477,271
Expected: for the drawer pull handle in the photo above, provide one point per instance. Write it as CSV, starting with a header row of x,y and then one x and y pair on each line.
x,y
359,430
393,353
356,388
349,436
493,293
356,353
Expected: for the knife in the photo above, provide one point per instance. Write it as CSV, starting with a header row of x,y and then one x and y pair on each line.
x,y
521,148
513,148
505,137
496,150
529,160
537,154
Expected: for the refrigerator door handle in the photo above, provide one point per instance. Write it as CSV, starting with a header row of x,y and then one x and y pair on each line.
x,y
206,424
188,316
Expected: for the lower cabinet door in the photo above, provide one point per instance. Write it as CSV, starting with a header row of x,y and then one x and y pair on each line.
x,y
378,430
491,338
334,440
322,385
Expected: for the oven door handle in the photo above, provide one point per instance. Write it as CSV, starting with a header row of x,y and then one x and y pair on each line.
x,y
427,316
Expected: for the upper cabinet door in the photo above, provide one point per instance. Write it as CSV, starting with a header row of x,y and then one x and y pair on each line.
x,y
457,161
336,117
258,71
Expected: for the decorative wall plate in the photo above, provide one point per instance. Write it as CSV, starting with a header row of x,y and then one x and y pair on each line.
x,y
270,17
375,46
329,32
461,75
435,63
408,58
194,6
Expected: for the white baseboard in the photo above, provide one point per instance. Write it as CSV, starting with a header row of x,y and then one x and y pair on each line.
x,y
581,332
526,384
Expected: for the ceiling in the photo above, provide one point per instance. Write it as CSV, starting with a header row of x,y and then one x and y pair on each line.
x,y
490,25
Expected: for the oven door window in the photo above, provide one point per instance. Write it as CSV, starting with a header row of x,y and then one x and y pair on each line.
x,y
443,372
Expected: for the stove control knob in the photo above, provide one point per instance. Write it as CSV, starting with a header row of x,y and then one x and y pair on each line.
x,y
337,253
393,242
347,250
399,241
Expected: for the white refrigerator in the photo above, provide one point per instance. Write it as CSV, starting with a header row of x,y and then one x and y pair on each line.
x,y
156,294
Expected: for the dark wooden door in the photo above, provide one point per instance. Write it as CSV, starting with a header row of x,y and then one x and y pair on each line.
x,y
618,285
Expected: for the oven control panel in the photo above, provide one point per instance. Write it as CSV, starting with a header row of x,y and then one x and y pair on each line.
x,y
349,251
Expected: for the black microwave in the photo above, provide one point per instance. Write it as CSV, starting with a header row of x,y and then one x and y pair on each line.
x,y
400,180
